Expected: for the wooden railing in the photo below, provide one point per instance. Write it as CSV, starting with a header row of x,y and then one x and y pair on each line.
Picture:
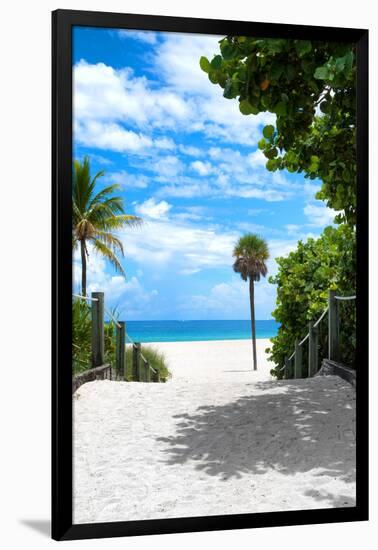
x,y
98,373
142,371
293,367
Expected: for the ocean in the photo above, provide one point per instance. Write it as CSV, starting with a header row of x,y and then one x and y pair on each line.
x,y
192,331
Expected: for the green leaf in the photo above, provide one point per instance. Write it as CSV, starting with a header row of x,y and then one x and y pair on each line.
x,y
280,108
262,144
227,50
290,72
276,71
246,108
268,131
271,153
303,47
272,165
213,76
285,97
321,73
204,64
216,62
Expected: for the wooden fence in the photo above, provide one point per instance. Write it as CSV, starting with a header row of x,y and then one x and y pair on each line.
x,y
141,370
294,367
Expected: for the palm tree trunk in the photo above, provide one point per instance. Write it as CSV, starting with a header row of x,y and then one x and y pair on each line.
x,y
83,269
253,321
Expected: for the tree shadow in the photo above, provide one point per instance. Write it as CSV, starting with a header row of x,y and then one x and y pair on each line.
x,y
284,426
330,500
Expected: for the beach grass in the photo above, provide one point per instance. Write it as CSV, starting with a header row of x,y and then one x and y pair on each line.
x,y
156,359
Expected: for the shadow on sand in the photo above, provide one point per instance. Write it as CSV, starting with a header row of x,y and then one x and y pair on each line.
x,y
285,426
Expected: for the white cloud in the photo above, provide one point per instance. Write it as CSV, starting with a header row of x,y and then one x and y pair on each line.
x,y
126,179
149,37
270,195
109,136
190,150
223,300
130,293
187,188
186,100
319,214
102,93
202,168
257,159
177,60
152,209
292,228
167,167
193,213
165,143
178,246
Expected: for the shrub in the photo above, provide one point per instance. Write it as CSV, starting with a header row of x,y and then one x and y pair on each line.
x,y
303,280
155,358
82,337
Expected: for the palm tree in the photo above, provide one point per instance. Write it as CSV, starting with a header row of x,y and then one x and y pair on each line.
x,y
251,253
95,215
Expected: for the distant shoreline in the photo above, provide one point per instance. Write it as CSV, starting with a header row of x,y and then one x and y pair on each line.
x,y
198,331
220,339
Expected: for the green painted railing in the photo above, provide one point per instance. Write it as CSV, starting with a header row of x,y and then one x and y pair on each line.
x,y
293,367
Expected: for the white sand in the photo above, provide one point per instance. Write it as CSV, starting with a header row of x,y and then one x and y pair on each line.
x,y
228,360
216,439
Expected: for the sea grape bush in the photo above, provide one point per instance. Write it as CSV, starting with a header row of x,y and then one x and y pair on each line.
x,y
310,87
303,280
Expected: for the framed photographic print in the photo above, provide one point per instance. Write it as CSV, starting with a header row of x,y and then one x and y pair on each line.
x,y
210,238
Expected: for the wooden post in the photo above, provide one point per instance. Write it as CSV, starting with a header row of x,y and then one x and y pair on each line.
x,y
291,368
286,370
120,350
135,365
333,327
312,349
97,329
137,360
125,377
156,376
148,372
298,360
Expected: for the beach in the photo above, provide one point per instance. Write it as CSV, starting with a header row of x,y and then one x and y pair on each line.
x,y
213,360
217,438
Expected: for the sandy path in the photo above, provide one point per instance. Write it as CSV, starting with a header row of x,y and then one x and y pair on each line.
x,y
225,360
212,446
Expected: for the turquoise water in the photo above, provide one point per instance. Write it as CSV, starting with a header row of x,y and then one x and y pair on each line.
x,y
192,331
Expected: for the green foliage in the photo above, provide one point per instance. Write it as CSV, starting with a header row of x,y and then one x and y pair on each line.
x,y
96,214
155,358
82,337
295,79
251,253
303,280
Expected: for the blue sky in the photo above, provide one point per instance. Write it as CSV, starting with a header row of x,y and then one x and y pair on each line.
x,y
188,164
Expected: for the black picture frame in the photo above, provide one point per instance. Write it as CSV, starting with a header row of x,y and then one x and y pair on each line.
x,y
62,526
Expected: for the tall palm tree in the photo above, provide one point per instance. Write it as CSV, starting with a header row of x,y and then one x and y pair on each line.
x,y
95,214
251,253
